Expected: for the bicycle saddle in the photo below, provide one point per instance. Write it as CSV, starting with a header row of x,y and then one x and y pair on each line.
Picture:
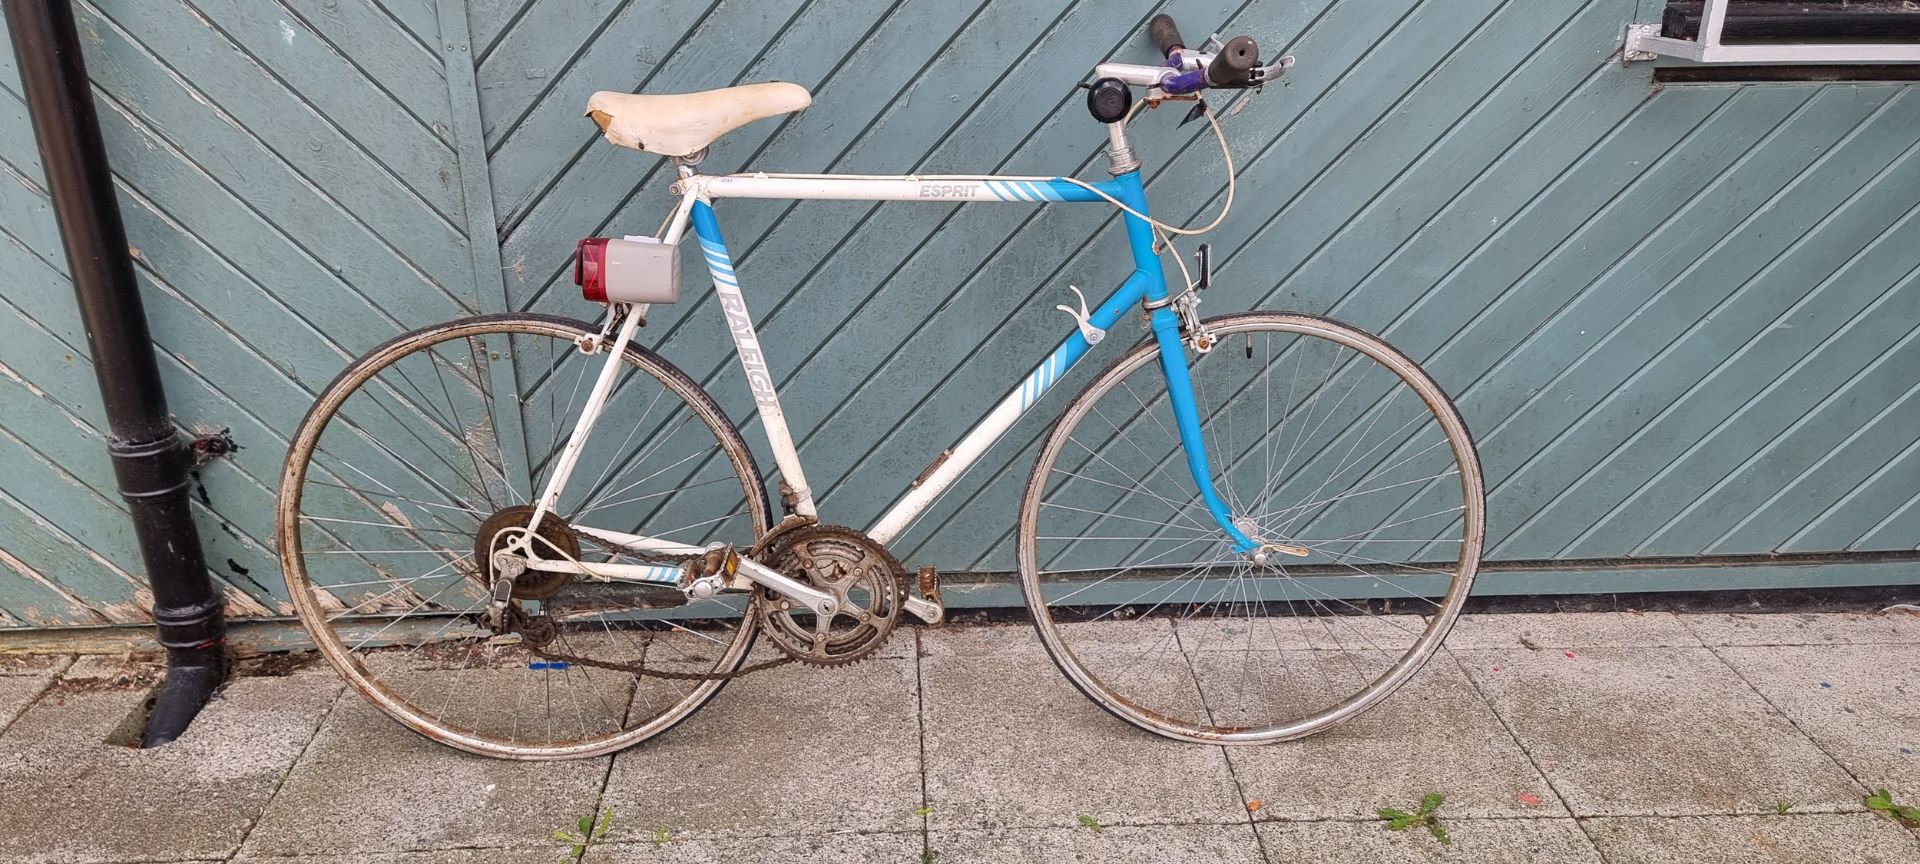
x,y
682,124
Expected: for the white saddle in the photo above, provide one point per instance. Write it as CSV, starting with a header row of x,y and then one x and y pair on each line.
x,y
682,124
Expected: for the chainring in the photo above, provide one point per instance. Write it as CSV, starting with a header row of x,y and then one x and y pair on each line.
x,y
866,580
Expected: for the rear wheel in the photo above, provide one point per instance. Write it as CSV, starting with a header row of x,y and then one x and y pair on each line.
x,y
1324,440
410,464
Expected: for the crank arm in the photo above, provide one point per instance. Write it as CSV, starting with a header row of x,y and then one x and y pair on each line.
x,y
820,602
925,610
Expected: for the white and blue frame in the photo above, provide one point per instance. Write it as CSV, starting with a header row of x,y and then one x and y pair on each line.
x,y
1147,286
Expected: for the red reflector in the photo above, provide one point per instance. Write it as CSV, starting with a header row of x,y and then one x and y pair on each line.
x,y
590,268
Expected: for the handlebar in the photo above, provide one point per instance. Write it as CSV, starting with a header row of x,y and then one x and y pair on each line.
x,y
1165,35
1232,67
1237,64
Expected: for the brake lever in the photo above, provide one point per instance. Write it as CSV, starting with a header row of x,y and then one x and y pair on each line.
x,y
1263,74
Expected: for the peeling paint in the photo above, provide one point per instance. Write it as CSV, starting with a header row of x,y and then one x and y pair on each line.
x,y
77,611
242,605
394,513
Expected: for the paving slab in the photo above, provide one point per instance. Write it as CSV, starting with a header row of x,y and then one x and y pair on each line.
x,y
1805,628
192,799
1854,838
16,693
1544,630
368,784
1009,743
1435,734
1019,639
548,855
119,670
850,848
792,750
1475,841
1860,703
34,665
1655,732
1159,844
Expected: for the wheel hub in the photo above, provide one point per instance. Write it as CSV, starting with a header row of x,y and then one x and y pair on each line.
x,y
498,532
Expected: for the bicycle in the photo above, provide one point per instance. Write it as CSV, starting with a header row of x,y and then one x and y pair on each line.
x,y
447,559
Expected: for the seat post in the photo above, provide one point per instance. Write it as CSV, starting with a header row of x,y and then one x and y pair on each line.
x,y
686,164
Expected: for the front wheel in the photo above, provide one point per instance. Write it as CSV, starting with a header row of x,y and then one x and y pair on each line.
x,y
1323,440
410,465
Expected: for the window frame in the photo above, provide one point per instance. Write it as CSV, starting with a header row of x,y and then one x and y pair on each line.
x,y
1644,42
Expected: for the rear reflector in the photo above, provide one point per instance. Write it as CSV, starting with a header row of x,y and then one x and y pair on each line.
x,y
627,270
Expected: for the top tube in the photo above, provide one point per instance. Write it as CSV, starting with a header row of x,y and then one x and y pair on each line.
x,y
983,188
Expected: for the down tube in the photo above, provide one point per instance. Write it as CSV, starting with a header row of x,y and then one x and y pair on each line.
x,y
975,443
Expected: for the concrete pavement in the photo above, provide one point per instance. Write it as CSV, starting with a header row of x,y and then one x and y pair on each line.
x,y
1574,737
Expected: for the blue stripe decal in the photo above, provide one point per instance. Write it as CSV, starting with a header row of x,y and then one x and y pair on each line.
x,y
1055,189
1049,373
712,247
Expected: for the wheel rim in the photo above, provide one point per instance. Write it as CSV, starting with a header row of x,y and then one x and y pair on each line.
x,y
382,498
1338,445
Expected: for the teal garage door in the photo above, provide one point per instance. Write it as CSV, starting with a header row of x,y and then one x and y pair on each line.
x,y
1680,318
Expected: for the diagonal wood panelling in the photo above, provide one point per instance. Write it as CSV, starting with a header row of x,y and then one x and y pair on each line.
x,y
1681,320
288,181
1578,255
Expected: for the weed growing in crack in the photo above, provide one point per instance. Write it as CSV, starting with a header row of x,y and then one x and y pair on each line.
x,y
590,829
1424,816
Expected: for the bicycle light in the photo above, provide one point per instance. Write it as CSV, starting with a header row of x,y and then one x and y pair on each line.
x,y
627,270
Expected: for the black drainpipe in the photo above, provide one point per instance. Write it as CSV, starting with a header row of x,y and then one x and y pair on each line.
x,y
150,461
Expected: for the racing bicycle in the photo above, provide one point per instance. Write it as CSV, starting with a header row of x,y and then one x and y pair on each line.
x,y
528,536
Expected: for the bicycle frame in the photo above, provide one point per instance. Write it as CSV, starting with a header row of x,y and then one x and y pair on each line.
x,y
1146,286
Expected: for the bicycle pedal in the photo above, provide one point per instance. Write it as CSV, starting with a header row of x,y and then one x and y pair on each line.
x,y
928,607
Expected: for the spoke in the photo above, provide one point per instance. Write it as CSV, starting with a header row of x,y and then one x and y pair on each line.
x,y
1179,509
650,495
442,570
403,616
629,486
1111,515
403,527
391,493
1345,496
596,489
1125,570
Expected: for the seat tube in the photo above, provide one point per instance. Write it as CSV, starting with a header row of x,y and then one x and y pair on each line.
x,y
753,361
1173,359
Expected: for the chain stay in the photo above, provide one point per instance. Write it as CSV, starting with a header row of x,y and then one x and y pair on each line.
x,y
637,669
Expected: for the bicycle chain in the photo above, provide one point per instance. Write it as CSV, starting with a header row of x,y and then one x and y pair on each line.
x,y
639,669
